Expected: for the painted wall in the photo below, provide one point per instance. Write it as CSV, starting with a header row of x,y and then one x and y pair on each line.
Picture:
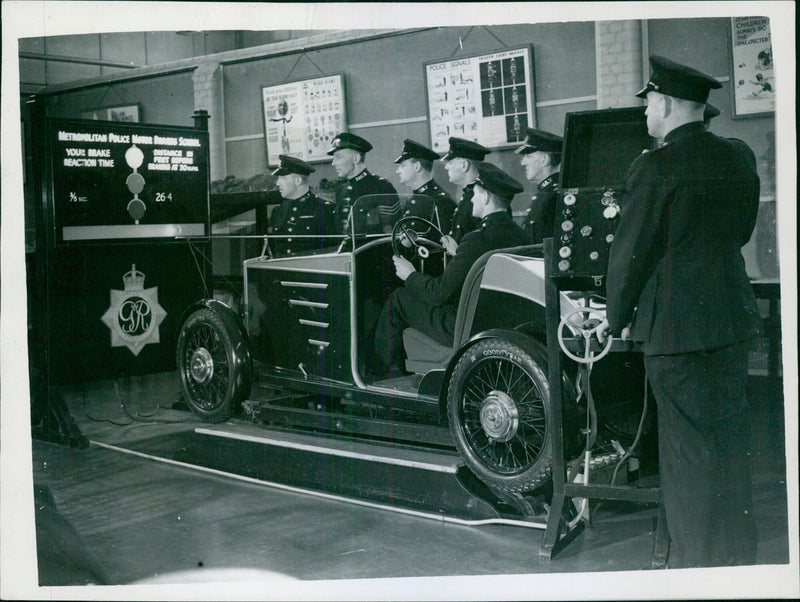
x,y
384,81
167,99
138,48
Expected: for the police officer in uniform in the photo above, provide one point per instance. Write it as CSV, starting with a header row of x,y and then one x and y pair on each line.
x,y
301,213
541,158
349,160
414,167
677,284
461,163
429,303
709,113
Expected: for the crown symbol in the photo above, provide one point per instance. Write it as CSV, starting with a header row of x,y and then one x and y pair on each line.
x,y
133,280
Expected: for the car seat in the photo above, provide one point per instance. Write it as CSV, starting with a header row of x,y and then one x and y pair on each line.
x,y
424,353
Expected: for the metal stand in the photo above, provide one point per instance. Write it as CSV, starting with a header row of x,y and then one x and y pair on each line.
x,y
558,533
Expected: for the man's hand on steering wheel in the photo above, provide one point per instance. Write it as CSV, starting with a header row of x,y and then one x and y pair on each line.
x,y
403,267
450,245
416,233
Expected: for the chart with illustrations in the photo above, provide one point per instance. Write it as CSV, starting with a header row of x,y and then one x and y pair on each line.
x,y
487,99
302,117
753,78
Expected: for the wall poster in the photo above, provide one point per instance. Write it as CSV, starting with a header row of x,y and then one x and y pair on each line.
x,y
130,113
488,99
302,117
753,80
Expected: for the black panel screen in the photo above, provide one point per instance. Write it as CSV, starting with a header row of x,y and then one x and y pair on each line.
x,y
113,180
600,145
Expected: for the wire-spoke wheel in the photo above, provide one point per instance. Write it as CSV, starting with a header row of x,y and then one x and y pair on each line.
x,y
208,367
498,403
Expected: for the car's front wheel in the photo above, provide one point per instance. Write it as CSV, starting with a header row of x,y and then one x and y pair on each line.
x,y
210,370
498,404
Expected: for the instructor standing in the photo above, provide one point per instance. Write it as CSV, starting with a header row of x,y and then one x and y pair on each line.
x,y
677,284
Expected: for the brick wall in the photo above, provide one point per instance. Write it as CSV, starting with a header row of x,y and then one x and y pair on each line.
x,y
207,80
619,63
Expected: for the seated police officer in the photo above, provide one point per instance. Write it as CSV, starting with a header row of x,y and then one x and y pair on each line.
x,y
349,160
541,158
429,304
461,163
301,213
414,168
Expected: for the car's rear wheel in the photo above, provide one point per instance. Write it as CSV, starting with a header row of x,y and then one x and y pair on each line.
x,y
208,366
498,404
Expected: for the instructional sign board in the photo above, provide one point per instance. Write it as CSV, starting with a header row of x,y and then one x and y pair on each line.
x,y
488,99
115,181
301,118
753,77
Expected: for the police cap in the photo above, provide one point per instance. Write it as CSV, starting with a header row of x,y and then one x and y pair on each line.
x,y
292,165
466,149
539,140
493,179
414,150
676,80
348,140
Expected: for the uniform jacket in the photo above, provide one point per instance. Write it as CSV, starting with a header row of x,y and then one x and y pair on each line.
x,y
350,190
496,231
463,222
541,214
687,209
306,215
441,213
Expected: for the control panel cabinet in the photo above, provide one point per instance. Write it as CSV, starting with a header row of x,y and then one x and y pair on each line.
x,y
599,146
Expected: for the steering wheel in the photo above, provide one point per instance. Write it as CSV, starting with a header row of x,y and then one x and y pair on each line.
x,y
587,321
423,235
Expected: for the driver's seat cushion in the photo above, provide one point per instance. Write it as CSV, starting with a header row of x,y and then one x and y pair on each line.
x,y
424,353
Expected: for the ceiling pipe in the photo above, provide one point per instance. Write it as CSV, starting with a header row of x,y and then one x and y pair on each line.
x,y
75,59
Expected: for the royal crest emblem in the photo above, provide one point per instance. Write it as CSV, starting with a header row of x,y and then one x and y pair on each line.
x,y
134,315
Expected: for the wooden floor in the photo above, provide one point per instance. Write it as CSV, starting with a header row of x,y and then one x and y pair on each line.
x,y
128,518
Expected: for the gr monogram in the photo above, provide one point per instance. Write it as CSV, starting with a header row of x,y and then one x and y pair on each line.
x,y
134,316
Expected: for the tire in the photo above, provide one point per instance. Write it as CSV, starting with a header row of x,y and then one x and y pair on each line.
x,y
498,405
211,375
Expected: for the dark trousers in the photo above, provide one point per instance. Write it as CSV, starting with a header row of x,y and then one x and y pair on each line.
x,y
704,455
404,310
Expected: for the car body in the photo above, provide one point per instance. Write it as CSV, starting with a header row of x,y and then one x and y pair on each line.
x,y
294,354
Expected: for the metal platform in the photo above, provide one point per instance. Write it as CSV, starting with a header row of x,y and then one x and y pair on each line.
x,y
403,476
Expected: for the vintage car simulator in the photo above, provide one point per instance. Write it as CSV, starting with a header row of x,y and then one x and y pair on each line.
x,y
293,354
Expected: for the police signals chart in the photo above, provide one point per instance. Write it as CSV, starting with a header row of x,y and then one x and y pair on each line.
x,y
488,99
